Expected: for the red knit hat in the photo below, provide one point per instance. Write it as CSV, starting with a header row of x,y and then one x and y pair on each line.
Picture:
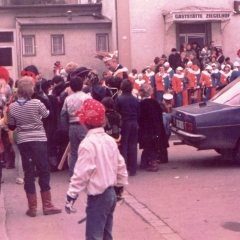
x,y
91,113
4,74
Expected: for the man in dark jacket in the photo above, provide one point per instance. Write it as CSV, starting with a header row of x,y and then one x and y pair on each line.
x,y
173,59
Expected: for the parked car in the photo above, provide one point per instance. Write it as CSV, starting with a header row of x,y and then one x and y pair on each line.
x,y
214,124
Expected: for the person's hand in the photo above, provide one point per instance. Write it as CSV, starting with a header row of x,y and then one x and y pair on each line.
x,y
119,191
69,205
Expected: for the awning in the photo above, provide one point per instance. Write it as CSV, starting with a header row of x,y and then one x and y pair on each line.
x,y
197,14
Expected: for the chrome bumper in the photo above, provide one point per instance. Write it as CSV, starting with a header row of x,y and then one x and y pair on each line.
x,y
187,136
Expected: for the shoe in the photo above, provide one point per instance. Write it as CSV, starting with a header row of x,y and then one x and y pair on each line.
x,y
32,205
152,167
19,180
48,207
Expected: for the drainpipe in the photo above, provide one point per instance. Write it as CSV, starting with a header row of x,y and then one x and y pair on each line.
x,y
18,45
116,17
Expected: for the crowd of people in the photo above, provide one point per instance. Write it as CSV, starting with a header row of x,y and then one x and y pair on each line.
x,y
101,120
190,75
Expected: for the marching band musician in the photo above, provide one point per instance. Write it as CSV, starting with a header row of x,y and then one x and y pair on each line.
x,y
235,72
169,70
179,87
206,80
225,75
193,75
148,73
216,79
162,83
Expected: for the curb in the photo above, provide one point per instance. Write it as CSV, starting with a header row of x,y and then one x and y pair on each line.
x,y
3,233
151,218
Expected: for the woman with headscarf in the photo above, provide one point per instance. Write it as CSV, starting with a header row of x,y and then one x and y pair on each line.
x,y
151,135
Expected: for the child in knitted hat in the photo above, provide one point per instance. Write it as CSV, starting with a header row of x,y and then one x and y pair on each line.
x,y
99,170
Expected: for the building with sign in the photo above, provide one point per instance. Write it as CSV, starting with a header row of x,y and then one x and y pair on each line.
x,y
139,29
156,26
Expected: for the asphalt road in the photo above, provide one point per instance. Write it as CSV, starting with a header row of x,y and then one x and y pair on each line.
x,y
194,197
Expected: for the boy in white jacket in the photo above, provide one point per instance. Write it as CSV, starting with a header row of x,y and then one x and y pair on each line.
x,y
99,170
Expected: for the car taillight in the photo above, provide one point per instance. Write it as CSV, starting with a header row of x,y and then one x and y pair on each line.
x,y
188,126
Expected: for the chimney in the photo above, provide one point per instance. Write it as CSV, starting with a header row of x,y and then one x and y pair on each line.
x,y
69,15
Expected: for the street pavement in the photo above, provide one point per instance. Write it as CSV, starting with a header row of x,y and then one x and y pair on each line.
x,y
194,197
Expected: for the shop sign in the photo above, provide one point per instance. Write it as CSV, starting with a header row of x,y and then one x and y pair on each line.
x,y
139,30
222,16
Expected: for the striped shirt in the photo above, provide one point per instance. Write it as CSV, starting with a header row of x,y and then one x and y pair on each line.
x,y
27,119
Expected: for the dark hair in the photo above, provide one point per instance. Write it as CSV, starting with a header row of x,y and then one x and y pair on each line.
x,y
32,68
76,84
91,126
157,68
42,86
10,82
227,58
16,83
126,86
134,71
57,79
156,60
108,103
114,82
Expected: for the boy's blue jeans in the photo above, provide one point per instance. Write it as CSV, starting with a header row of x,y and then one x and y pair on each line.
x,y
99,212
76,134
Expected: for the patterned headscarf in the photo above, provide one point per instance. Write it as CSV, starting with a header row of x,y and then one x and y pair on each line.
x,y
91,113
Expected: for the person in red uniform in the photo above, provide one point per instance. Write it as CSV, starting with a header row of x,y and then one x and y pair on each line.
x,y
179,86
206,80
162,83
193,74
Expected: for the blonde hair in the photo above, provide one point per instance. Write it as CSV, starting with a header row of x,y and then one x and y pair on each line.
x,y
145,90
25,87
70,67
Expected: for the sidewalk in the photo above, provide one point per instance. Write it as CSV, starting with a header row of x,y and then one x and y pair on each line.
x,y
3,234
132,220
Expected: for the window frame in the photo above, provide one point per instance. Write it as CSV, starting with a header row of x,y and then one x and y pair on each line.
x,y
106,40
63,45
33,45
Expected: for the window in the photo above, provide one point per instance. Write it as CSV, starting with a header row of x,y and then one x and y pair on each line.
x,y
57,45
6,56
102,42
6,37
28,45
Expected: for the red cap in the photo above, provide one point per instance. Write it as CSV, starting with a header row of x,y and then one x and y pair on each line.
x,y
92,113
